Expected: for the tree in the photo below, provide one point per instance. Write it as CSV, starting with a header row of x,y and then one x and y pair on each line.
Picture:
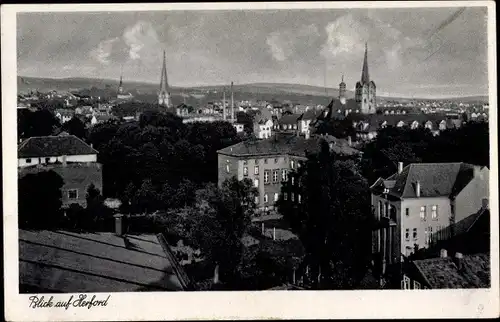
x,y
38,123
40,200
331,218
75,127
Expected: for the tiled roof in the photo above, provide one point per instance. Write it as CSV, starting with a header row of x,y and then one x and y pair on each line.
x,y
443,273
286,144
310,114
45,146
289,119
436,179
62,261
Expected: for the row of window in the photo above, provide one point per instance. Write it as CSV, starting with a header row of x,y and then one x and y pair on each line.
x,y
406,285
266,176
266,198
245,162
387,209
47,160
292,197
428,234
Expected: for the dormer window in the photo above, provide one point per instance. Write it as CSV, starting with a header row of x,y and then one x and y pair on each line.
x,y
386,190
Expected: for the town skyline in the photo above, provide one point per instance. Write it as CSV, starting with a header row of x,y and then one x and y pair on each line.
x,y
307,50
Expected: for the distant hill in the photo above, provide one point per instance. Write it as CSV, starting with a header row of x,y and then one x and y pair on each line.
x,y
302,94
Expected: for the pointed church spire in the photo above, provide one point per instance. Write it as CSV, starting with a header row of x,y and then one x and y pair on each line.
x,y
365,77
164,95
121,80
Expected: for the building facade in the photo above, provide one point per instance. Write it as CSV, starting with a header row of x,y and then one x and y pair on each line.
x,y
414,207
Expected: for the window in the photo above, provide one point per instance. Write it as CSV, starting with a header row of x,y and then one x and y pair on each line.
x,y
430,235
406,282
299,198
434,212
275,176
285,196
227,168
407,234
256,200
415,233
292,164
293,180
407,212
266,176
276,196
293,197
245,171
256,170
422,212
416,285
265,161
47,160
265,198
73,194
276,160
283,175
256,183
28,160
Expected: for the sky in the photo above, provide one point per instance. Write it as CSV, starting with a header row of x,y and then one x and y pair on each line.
x,y
412,52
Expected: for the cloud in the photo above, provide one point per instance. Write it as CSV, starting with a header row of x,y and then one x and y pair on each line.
x,y
345,35
141,38
103,50
284,44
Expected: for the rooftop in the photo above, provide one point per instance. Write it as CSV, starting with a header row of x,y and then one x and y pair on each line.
x,y
286,144
436,179
63,261
444,273
46,146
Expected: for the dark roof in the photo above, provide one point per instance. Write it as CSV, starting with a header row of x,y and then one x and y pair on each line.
x,y
442,273
286,144
61,261
436,179
289,119
310,114
45,146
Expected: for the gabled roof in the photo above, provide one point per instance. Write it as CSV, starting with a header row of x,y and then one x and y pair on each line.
x,y
442,273
436,179
69,262
285,144
46,146
289,119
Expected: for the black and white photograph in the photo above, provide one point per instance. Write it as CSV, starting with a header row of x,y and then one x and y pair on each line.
x,y
251,149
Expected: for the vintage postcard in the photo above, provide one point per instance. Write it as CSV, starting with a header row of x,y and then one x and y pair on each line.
x,y
250,161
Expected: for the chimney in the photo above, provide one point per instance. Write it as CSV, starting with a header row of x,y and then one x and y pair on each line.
x,y
459,260
444,253
64,162
400,167
417,189
91,145
216,274
349,140
232,103
119,224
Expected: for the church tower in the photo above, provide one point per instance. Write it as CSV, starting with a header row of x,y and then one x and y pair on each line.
x,y
164,96
365,89
120,87
342,89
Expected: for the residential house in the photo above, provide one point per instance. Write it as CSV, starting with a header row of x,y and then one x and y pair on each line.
x,y
419,200
74,160
267,162
304,121
239,127
79,262
287,123
263,124
96,119
86,111
64,115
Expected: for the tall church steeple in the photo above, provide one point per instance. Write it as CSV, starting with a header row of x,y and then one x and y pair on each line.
x,y
365,95
365,76
164,95
120,87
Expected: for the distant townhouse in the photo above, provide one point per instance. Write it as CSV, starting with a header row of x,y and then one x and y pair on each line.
x,y
73,159
263,124
64,115
415,206
267,162
304,121
86,111
288,123
96,119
